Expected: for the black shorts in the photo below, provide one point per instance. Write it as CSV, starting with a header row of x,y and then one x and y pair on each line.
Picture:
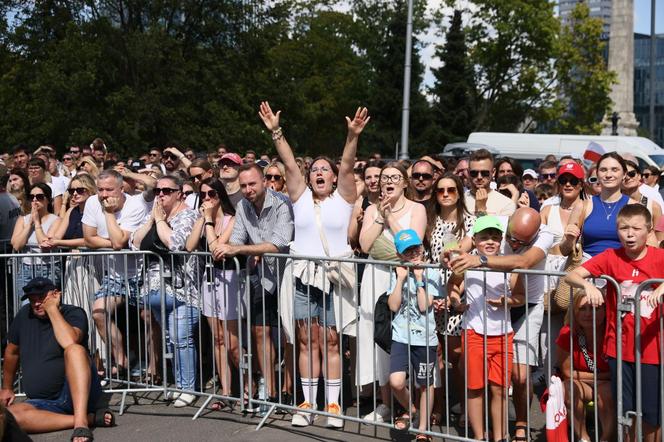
x,y
264,309
422,359
650,389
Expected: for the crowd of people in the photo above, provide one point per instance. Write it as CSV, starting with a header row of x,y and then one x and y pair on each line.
x,y
436,219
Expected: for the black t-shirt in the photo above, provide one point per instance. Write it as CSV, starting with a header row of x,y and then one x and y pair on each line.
x,y
75,226
42,358
235,198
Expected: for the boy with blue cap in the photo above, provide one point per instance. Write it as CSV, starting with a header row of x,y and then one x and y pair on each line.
x,y
411,295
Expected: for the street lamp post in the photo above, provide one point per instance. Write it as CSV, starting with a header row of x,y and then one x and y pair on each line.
x,y
405,113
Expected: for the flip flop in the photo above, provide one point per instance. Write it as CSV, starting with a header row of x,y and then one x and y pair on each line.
x,y
82,432
402,423
100,418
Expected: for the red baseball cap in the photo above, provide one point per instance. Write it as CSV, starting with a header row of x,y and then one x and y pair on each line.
x,y
232,157
573,169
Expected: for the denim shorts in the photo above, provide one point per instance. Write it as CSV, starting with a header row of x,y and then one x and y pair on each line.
x,y
113,286
311,302
423,360
63,404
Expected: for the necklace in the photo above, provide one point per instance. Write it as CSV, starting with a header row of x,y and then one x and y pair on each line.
x,y
400,208
611,206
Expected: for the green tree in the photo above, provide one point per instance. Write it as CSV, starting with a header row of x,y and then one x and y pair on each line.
x,y
584,82
453,91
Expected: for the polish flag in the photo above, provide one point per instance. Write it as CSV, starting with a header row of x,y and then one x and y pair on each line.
x,y
593,152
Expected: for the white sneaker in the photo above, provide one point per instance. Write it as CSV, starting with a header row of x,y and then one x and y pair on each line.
x,y
171,395
302,418
334,422
381,414
184,400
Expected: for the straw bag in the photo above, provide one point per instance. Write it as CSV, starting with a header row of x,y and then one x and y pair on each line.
x,y
341,274
559,298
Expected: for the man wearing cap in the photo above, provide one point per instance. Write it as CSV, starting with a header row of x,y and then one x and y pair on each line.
x,y
529,179
526,244
49,340
229,166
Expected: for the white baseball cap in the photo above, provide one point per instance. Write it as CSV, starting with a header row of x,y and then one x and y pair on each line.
x,y
530,172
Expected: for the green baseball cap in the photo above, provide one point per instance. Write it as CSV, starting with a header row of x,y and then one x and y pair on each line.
x,y
487,222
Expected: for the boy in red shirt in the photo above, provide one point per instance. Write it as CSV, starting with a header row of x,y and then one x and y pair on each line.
x,y
630,265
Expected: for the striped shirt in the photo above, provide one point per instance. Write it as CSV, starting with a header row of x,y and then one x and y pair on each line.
x,y
274,225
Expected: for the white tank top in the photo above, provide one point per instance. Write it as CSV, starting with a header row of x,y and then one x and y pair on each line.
x,y
335,218
555,224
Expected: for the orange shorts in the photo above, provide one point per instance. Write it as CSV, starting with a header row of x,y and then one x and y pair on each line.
x,y
495,359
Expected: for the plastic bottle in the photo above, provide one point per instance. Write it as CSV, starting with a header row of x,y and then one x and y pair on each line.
x,y
262,395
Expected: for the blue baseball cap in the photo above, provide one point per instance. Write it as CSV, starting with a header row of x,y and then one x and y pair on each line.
x,y
405,239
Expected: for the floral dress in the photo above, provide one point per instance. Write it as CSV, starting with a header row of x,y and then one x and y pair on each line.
x,y
447,323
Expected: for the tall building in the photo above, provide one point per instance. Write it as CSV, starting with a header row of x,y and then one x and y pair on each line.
x,y
598,8
642,84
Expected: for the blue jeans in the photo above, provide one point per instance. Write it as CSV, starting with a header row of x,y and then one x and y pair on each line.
x,y
26,272
181,322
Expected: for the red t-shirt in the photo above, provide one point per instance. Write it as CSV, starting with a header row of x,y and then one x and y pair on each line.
x,y
578,359
629,273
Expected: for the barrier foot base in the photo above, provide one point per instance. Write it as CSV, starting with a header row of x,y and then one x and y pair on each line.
x,y
203,407
267,415
122,403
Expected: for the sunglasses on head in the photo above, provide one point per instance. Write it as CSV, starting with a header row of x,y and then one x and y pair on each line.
x,y
79,190
422,176
632,173
273,177
476,173
164,190
446,190
37,196
169,156
563,180
211,193
547,176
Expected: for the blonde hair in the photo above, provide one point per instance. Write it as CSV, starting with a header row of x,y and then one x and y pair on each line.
x,y
282,170
573,309
89,160
86,181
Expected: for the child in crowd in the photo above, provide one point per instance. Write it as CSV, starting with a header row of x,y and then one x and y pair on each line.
x,y
490,323
630,265
544,191
412,292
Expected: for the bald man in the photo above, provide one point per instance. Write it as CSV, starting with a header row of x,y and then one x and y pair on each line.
x,y
525,246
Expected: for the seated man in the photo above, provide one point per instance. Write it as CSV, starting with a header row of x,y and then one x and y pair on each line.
x,y
59,380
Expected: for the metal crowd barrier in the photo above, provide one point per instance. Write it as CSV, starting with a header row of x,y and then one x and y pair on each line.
x,y
235,371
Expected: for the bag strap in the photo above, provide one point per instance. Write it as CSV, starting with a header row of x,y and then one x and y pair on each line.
x,y
319,224
584,350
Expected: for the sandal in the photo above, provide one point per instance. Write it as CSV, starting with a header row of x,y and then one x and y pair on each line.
x,y
100,418
424,438
521,438
436,419
82,432
402,423
221,405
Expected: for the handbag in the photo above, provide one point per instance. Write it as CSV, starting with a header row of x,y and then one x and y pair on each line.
x,y
383,323
560,297
338,273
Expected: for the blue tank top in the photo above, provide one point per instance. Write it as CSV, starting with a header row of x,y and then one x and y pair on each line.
x,y
599,229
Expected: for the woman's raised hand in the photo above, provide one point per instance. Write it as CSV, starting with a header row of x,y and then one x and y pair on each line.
x,y
270,119
356,125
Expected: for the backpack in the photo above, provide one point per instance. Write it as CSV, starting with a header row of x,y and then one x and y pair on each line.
x,y
383,323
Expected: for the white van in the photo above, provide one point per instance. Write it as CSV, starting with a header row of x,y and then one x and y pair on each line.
x,y
530,147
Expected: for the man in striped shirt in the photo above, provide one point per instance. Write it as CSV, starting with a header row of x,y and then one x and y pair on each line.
x,y
263,224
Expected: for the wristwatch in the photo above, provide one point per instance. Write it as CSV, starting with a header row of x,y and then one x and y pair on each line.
x,y
484,261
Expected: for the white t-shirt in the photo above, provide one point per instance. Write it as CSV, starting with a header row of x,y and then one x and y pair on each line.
x,y
497,284
58,187
651,193
496,204
335,217
129,218
192,201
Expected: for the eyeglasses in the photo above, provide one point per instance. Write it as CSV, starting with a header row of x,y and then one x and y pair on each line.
x,y
210,193
79,190
37,196
632,173
391,178
164,190
476,173
188,192
446,190
646,175
169,156
273,177
547,176
321,169
564,180
421,176
521,243
592,180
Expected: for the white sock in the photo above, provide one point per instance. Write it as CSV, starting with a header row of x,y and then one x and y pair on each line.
x,y
332,389
310,390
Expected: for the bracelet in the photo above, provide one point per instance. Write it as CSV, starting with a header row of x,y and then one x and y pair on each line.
x,y
277,134
161,221
213,241
382,223
209,223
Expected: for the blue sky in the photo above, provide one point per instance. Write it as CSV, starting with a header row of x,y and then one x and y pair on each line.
x,y
642,16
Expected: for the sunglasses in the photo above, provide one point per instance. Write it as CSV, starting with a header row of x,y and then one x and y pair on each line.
x,y
74,151
188,192
446,190
476,173
197,177
227,163
164,190
66,158
592,180
37,196
211,193
153,154
646,175
547,176
632,173
273,177
79,190
510,238
169,156
563,180
422,176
